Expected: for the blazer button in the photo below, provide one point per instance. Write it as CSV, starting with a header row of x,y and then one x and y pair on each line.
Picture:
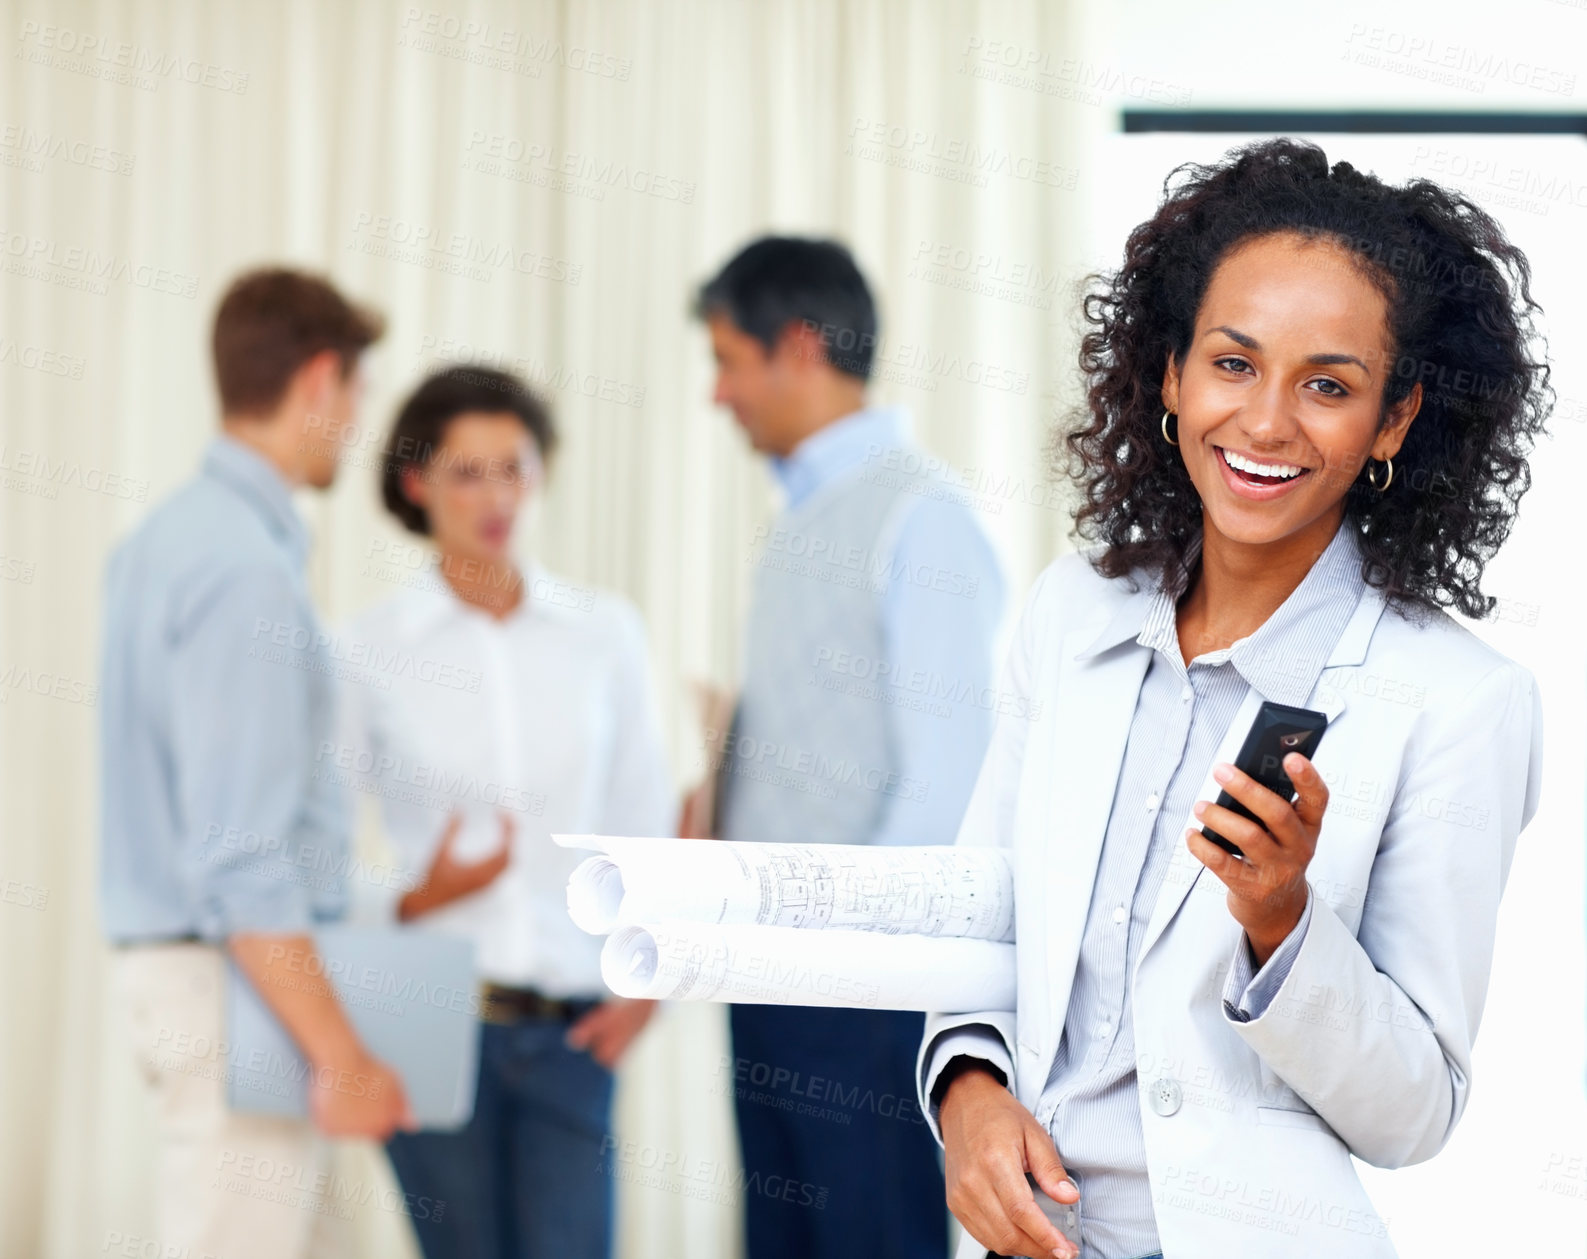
x,y
1165,1095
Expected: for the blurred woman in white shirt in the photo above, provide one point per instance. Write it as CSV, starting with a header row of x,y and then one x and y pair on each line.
x,y
520,705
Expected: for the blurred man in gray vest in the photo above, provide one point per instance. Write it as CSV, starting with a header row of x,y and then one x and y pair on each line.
x,y
862,718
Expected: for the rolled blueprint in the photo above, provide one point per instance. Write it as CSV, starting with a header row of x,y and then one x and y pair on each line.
x,y
760,965
929,891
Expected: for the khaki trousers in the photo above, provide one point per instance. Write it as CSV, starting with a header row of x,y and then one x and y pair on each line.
x,y
228,1185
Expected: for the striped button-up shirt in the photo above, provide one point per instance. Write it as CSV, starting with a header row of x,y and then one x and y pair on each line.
x,y
1091,1103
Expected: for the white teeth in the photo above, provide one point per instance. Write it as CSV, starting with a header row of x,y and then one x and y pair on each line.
x,y
1261,469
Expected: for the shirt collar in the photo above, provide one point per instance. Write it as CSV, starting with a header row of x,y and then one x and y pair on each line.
x,y
433,602
1283,657
259,482
839,446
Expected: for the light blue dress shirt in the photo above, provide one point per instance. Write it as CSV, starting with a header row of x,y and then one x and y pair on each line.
x,y
949,637
217,690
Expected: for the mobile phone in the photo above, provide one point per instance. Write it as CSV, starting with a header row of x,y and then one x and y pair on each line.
x,y
1278,730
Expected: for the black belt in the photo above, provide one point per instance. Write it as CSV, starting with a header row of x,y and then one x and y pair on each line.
x,y
501,1004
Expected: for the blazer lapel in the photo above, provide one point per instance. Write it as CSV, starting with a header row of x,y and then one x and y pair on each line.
x,y
1091,716
1183,866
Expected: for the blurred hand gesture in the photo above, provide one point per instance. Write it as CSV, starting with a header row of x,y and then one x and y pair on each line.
x,y
450,879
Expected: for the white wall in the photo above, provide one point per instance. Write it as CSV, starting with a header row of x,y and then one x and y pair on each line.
x,y
1514,1177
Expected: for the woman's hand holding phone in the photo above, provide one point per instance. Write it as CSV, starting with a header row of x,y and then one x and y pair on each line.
x,y
989,1142
1267,889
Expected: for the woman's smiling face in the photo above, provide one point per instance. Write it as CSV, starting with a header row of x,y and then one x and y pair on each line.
x,y
1280,393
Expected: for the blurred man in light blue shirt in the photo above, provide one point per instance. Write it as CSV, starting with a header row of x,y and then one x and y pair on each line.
x,y
863,715
216,837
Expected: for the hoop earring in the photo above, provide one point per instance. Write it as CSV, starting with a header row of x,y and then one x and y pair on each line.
x,y
1166,437
1389,463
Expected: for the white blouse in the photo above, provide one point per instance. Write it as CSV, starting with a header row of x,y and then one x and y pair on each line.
x,y
547,717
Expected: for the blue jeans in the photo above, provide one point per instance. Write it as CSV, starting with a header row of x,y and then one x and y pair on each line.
x,y
523,1179
838,1161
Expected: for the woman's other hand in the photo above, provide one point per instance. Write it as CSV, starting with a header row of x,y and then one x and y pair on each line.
x,y
450,879
610,1028
1267,889
990,1141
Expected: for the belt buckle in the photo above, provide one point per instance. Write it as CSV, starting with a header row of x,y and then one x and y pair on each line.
x,y
492,1009
502,1005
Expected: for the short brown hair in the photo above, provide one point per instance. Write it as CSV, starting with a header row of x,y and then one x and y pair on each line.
x,y
272,321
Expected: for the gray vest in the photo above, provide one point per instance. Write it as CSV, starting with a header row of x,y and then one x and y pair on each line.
x,y
809,758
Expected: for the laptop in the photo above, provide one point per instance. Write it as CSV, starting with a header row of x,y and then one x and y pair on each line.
x,y
413,998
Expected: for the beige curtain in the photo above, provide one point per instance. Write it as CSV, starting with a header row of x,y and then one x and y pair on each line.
x,y
538,186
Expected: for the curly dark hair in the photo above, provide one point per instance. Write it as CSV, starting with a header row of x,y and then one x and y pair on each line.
x,y
1460,315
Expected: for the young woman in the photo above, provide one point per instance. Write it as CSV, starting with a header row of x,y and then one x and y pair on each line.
x,y
520,705
1311,399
